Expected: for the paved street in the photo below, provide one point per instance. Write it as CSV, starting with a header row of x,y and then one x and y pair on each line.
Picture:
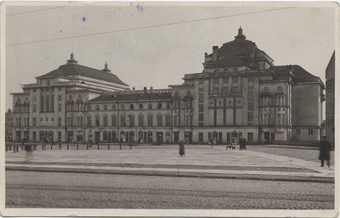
x,y
156,177
64,190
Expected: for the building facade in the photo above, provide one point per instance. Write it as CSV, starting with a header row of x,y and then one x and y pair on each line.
x,y
240,93
330,100
9,126
44,110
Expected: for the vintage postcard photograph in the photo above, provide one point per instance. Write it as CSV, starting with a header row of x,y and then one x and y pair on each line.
x,y
151,109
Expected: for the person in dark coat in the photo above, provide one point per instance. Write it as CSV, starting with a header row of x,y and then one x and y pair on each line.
x,y
181,148
325,147
244,144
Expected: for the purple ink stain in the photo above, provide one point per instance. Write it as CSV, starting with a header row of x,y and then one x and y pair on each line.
x,y
139,7
131,3
84,18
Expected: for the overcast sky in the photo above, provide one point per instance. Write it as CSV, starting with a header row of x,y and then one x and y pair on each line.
x,y
148,45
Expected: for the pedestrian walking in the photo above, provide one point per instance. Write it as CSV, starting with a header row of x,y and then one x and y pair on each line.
x,y
325,147
244,144
181,148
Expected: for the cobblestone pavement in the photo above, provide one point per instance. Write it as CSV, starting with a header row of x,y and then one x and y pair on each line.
x,y
64,190
260,160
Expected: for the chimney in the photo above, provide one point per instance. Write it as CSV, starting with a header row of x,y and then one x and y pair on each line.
x,y
144,89
215,53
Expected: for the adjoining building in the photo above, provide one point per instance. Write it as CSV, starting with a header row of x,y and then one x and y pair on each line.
x,y
239,94
45,109
330,100
9,126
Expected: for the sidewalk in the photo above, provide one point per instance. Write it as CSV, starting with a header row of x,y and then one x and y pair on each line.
x,y
199,161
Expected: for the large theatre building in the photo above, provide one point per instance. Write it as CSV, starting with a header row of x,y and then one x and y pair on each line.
x,y
240,93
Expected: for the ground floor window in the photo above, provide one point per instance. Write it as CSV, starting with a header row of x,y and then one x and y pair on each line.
x,y
176,137
200,137
70,136
250,137
34,136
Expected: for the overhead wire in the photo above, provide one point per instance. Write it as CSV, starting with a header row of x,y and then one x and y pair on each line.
x,y
148,27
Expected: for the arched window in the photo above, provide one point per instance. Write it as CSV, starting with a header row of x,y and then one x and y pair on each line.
x,y
226,70
122,107
235,69
114,107
279,89
97,107
216,71
188,93
159,106
265,89
132,107
105,107
140,106
150,106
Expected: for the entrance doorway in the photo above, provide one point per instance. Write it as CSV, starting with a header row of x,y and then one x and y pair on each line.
x,y
96,137
272,137
266,137
159,138
188,137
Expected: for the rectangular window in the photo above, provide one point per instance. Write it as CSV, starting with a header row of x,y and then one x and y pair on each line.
x,y
215,90
200,136
200,117
200,89
175,120
159,121
47,103
168,121
200,81
250,137
105,121
200,97
200,108
52,102
97,121
52,119
234,79
179,120
250,116
234,89
59,97
200,124
310,131
59,107
150,120
89,121
216,80
34,121
34,136
80,121
225,89
46,118
41,103
297,131
132,120
114,120
59,121
250,105
226,80
141,120
34,108
122,121
41,119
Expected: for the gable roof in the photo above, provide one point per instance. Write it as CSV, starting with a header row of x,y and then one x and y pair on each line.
x,y
76,69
